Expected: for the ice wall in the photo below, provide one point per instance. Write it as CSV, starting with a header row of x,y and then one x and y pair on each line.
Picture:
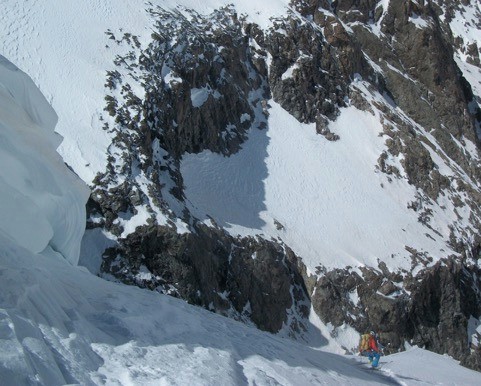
x,y
42,203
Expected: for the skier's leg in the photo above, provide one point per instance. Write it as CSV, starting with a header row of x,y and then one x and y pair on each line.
x,y
375,361
369,356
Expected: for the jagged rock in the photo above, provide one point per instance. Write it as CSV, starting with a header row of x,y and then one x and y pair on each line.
x,y
441,306
335,285
208,107
388,288
307,79
261,275
245,278
199,75
432,310
413,76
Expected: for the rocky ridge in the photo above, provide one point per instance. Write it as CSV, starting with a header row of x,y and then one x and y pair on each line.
x,y
204,81
197,97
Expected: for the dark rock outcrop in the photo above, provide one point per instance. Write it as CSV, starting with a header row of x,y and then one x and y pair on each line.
x,y
431,309
250,279
206,80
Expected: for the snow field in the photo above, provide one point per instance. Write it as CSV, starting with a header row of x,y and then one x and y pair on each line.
x,y
335,208
60,324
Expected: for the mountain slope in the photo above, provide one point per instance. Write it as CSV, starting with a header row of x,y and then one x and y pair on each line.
x,y
270,161
59,324
62,325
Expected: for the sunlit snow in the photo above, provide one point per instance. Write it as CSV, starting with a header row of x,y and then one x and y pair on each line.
x,y
333,205
59,324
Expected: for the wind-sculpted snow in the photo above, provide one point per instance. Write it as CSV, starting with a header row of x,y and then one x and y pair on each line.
x,y
42,202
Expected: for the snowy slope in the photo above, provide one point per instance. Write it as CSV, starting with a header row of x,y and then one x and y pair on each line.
x,y
62,325
59,324
329,198
335,208
63,47
465,24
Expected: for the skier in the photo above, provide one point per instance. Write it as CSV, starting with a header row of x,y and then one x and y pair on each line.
x,y
371,348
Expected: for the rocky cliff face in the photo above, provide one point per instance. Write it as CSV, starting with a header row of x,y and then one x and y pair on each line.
x,y
204,81
204,85
431,309
250,279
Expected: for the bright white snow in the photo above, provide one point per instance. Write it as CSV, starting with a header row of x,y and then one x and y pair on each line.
x,y
62,45
335,209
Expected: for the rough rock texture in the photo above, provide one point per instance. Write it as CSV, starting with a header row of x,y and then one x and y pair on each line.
x,y
307,78
245,278
430,310
419,66
202,86
442,305
204,81
207,72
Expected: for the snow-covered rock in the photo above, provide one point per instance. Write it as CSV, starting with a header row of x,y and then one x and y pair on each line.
x,y
60,324
387,196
